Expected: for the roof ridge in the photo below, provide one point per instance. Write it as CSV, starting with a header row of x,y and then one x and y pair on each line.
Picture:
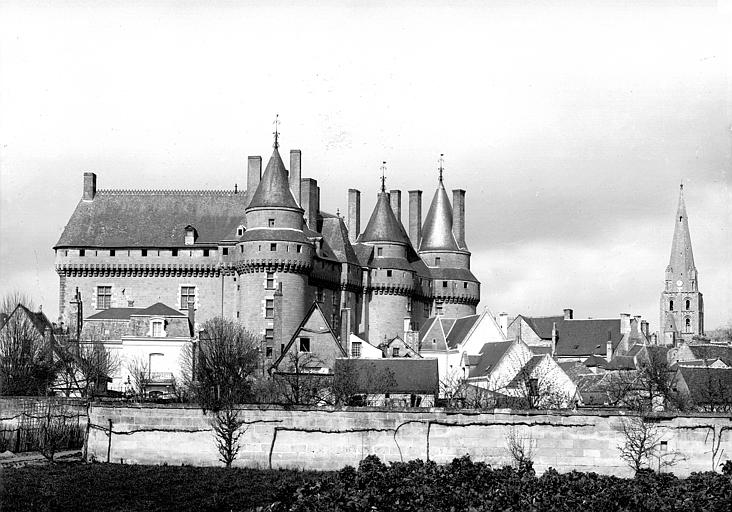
x,y
121,191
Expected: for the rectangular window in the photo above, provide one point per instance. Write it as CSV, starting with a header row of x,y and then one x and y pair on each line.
x,y
268,352
237,314
388,273
299,248
272,247
205,253
319,295
437,261
174,252
268,335
409,304
82,252
444,284
157,329
226,251
112,252
438,308
269,308
356,349
465,284
335,299
395,352
379,251
304,344
426,309
271,223
143,252
282,348
104,297
187,294
270,281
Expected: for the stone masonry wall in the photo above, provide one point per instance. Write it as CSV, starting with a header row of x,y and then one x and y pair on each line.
x,y
327,439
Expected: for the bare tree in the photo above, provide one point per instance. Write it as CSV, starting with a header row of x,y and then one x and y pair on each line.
x,y
531,384
87,366
27,365
139,375
300,383
520,446
218,373
643,445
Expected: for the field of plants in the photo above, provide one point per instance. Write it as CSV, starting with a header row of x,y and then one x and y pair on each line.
x,y
373,486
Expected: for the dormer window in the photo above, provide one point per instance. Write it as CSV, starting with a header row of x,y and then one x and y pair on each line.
x,y
379,251
190,235
437,261
240,231
271,223
157,328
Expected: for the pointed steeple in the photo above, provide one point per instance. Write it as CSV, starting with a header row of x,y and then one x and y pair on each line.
x,y
274,187
682,257
383,225
437,232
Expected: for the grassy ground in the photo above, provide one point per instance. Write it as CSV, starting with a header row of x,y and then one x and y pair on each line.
x,y
113,487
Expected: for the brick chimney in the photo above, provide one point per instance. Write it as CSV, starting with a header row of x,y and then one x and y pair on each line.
x,y
624,323
354,214
90,186
295,173
310,196
415,217
644,328
568,314
395,198
458,217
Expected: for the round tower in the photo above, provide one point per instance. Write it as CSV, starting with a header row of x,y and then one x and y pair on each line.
x,y
391,279
273,259
455,290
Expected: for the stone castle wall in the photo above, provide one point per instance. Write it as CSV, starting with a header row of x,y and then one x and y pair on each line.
x,y
328,439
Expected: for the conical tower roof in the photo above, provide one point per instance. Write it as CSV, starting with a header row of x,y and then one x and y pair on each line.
x,y
274,187
437,230
682,257
383,225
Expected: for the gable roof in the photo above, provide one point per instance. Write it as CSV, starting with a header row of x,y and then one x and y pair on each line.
x,y
157,309
712,352
383,225
708,386
336,234
460,328
153,218
392,375
542,325
490,355
274,187
38,319
314,309
526,371
581,338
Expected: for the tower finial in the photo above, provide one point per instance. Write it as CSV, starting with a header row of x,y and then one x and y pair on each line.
x,y
383,176
442,165
276,131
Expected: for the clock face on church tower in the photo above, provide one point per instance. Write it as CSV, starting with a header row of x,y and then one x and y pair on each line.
x,y
679,283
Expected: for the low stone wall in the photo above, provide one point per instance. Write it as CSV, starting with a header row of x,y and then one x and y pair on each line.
x,y
329,439
22,418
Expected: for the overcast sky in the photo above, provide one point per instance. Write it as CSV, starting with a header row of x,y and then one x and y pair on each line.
x,y
570,125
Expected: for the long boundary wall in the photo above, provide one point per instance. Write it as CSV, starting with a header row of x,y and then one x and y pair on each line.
x,y
327,438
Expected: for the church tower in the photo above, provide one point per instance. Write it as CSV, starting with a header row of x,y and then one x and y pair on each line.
x,y
682,305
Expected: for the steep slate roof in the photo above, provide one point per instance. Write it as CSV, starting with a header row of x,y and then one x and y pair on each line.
x,y
621,363
490,355
391,375
139,218
712,352
383,225
336,234
437,232
460,329
457,274
527,370
542,325
157,309
594,360
274,187
708,386
578,338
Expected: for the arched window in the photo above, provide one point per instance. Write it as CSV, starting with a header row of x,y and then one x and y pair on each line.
x,y
688,325
688,304
671,305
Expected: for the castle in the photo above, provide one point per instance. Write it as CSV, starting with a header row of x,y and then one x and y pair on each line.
x,y
265,254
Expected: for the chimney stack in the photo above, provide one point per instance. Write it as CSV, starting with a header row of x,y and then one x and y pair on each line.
x,y
503,323
407,327
346,329
354,214
192,315
90,186
295,173
310,195
395,198
568,314
644,328
254,174
609,346
555,336
415,217
458,217
624,323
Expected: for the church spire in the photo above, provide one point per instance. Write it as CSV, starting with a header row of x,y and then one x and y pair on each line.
x,y
682,256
